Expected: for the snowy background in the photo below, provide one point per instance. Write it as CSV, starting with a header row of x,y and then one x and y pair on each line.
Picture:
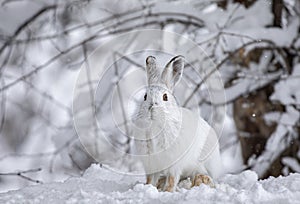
x,y
252,47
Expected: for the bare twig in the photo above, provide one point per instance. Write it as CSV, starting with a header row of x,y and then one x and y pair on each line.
x,y
130,60
229,56
92,96
121,100
3,106
53,59
152,18
52,154
21,174
25,24
60,149
49,98
47,63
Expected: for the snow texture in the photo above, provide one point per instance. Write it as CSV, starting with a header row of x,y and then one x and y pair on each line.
x,y
101,185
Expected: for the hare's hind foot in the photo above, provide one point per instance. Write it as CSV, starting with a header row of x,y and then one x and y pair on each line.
x,y
200,178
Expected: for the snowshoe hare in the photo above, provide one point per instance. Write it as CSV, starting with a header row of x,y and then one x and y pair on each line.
x,y
172,141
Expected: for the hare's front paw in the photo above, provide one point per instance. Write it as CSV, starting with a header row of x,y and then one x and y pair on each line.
x,y
170,184
149,180
161,183
200,178
153,179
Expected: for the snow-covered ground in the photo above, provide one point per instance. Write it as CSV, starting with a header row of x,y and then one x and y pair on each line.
x,y
101,185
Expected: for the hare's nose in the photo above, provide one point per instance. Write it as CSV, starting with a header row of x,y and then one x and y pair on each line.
x,y
153,103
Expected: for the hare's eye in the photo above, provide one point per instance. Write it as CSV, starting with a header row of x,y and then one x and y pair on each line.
x,y
145,97
165,97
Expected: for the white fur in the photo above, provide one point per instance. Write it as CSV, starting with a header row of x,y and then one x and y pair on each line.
x,y
172,140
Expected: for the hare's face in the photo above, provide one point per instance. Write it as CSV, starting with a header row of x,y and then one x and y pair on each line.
x,y
159,104
158,101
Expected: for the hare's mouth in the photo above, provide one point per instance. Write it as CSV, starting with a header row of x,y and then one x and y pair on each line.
x,y
151,114
154,114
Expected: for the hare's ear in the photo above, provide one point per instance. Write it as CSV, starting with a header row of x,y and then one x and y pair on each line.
x,y
173,72
152,72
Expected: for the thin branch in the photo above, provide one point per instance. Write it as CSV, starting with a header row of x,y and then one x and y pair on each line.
x,y
170,17
49,98
59,150
124,115
219,65
92,96
74,162
52,154
130,60
47,63
21,174
53,59
3,106
25,24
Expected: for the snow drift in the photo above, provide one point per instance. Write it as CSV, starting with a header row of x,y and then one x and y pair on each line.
x,y
101,185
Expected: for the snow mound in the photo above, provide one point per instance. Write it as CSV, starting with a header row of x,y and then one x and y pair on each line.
x,y
101,185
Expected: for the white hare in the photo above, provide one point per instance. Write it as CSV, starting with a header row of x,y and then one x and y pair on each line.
x,y
173,141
